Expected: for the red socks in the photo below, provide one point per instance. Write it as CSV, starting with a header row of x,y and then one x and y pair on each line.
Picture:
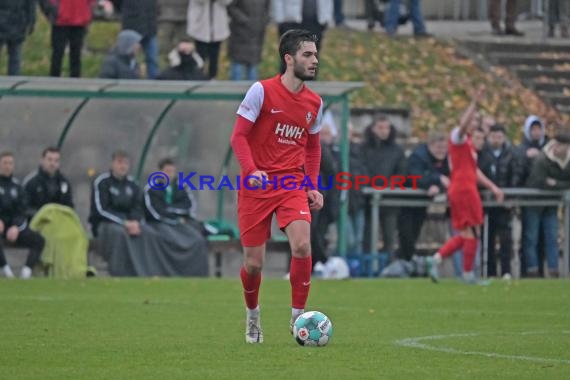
x,y
251,285
300,278
451,246
469,253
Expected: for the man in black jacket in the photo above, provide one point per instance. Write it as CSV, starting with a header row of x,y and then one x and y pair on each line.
x,y
47,184
501,156
13,222
17,20
116,198
429,161
383,157
142,17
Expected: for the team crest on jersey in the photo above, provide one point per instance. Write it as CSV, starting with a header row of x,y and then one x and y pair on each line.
x,y
309,117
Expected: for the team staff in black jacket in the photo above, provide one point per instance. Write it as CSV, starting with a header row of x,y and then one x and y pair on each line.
x,y
13,222
116,198
47,184
171,205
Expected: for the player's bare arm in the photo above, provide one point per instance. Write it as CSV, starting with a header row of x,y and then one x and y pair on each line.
x,y
483,180
470,112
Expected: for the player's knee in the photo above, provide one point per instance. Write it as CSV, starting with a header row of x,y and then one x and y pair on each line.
x,y
253,268
301,248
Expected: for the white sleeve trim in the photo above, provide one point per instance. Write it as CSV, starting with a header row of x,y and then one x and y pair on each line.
x,y
455,139
316,128
29,177
148,203
23,226
98,205
250,107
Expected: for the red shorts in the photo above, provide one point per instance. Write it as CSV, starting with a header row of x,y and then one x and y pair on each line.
x,y
255,215
466,209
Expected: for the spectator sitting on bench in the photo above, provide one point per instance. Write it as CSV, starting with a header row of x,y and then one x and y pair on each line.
x,y
13,224
115,198
181,244
47,184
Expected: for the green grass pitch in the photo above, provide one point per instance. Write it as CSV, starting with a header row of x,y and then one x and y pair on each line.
x,y
193,329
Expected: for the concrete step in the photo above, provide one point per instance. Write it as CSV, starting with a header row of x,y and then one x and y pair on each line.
x,y
501,46
528,59
557,87
525,72
556,99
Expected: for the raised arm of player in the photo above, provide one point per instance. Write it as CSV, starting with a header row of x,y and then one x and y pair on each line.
x,y
487,183
470,112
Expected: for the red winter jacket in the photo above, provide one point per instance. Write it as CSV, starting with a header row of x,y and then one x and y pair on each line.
x,y
68,12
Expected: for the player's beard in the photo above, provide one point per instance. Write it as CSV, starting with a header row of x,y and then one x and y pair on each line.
x,y
301,73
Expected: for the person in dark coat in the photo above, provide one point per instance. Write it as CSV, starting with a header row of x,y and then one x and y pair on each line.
x,y
534,139
550,171
47,184
356,199
249,19
142,17
17,20
13,222
429,162
185,64
121,62
501,155
383,157
69,19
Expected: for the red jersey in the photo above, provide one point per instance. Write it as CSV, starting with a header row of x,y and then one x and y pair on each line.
x,y
462,159
282,121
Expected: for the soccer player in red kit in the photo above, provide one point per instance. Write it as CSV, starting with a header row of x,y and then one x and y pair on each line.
x,y
276,141
464,200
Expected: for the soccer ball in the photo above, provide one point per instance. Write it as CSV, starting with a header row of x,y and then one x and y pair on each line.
x,y
312,328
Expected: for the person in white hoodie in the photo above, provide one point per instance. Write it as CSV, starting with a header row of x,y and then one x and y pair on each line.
x,y
208,26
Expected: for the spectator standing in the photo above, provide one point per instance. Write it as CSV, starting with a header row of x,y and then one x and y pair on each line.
x,y
69,20
534,139
47,184
383,157
208,26
392,16
429,162
17,20
550,171
559,12
13,222
142,17
501,173
510,18
311,15
249,19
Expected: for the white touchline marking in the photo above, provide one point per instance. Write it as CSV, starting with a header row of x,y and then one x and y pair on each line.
x,y
416,343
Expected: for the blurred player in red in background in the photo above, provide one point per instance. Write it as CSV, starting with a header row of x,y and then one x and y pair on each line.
x,y
464,200
277,134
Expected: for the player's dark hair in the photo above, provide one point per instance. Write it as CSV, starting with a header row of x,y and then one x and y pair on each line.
x,y
498,128
291,41
118,154
50,149
6,154
165,162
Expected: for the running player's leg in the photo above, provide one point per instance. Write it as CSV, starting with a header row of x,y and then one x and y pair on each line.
x,y
294,217
255,227
470,236
250,274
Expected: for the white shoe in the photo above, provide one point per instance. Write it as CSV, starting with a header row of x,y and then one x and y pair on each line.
x,y
8,271
253,331
507,277
292,321
287,276
26,273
